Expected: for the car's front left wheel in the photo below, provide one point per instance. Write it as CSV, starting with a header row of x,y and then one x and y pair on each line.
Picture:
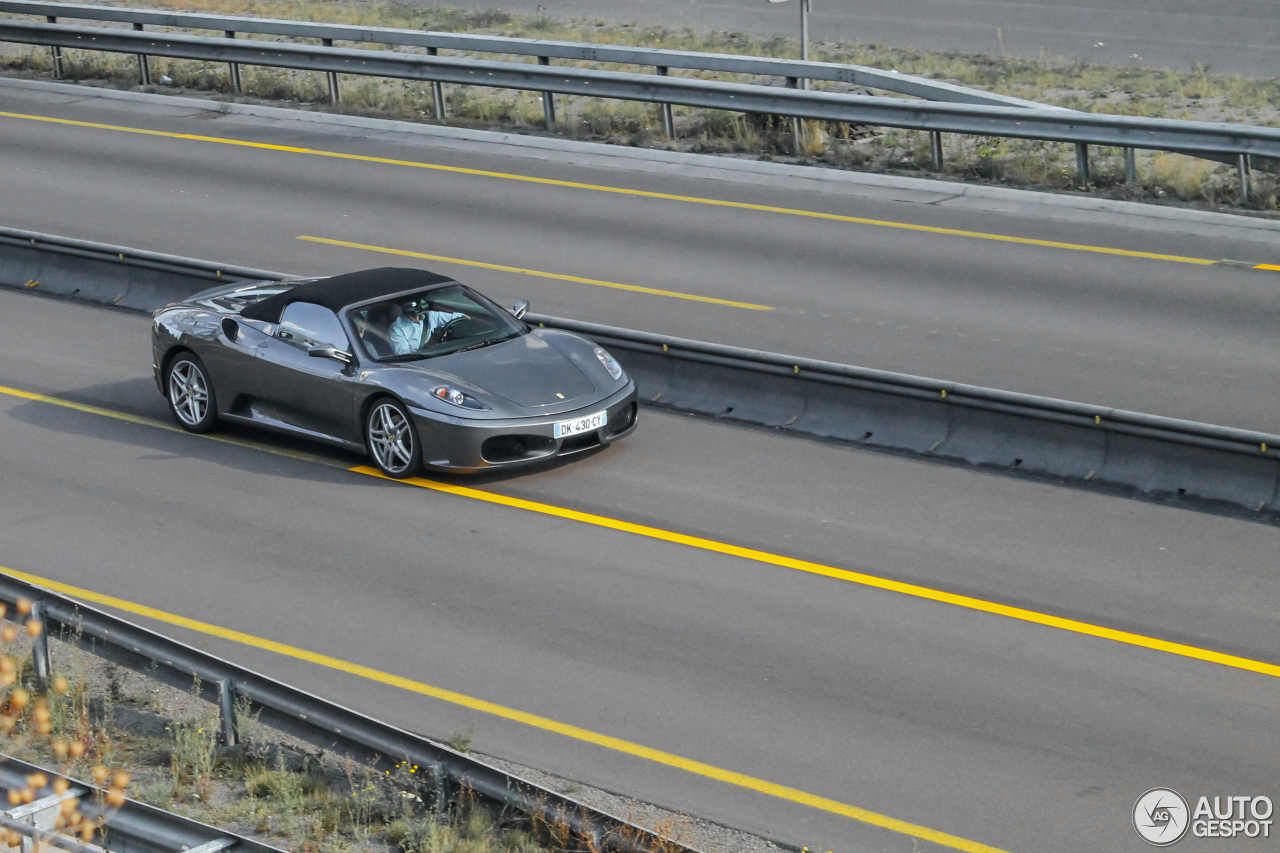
x,y
392,440
191,397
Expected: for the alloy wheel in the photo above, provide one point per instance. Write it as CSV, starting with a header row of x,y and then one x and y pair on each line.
x,y
189,393
391,438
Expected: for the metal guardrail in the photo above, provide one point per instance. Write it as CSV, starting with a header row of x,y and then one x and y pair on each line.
x,y
874,407
132,827
1193,433
303,715
1232,143
663,60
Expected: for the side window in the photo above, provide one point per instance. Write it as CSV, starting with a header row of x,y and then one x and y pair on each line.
x,y
305,325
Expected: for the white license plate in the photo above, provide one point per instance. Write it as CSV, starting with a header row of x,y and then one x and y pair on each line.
x,y
586,423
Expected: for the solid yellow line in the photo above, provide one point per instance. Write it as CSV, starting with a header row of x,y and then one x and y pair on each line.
x,y
1267,267
619,190
502,268
1035,617
656,755
924,592
1086,628
158,424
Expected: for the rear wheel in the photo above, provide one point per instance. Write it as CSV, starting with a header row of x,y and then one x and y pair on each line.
x,y
190,394
391,439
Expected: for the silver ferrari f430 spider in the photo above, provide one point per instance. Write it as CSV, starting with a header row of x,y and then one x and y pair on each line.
x,y
410,367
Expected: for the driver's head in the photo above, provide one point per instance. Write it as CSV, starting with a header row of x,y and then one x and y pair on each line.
x,y
414,310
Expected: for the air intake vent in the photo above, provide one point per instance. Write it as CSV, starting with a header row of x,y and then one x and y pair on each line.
x,y
502,448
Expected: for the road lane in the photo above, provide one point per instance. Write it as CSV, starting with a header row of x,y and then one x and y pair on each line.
x,y
912,709
1235,36
1169,338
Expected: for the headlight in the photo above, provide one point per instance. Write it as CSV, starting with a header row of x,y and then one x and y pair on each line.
x,y
615,369
457,398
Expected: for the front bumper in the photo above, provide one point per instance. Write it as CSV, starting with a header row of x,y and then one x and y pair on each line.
x,y
466,445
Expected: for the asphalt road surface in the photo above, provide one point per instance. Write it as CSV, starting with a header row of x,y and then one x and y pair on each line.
x,y
1017,736
1008,733
1234,36
1169,337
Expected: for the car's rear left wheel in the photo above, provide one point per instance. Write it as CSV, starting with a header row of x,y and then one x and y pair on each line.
x,y
392,440
191,397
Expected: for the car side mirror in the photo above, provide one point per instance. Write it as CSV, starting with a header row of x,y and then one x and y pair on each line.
x,y
520,308
329,351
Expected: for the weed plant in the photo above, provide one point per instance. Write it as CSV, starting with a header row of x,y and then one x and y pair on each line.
x,y
94,721
1135,90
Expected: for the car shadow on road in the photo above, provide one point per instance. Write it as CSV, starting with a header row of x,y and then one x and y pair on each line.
x,y
232,445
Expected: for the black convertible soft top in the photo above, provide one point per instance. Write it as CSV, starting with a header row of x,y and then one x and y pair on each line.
x,y
339,291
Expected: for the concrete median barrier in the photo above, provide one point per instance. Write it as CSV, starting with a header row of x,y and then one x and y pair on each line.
x,y
982,426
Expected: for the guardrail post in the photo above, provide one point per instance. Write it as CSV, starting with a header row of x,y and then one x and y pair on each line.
x,y
56,52
144,64
668,118
41,667
1244,178
1130,167
437,90
233,67
548,99
935,148
227,711
334,95
1082,165
796,130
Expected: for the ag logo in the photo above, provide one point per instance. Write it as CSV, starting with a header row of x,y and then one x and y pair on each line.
x,y
1160,816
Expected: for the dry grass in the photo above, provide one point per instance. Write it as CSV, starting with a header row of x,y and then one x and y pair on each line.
x,y
119,728
1136,90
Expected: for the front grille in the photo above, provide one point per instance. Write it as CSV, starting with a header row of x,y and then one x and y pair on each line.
x,y
575,443
502,448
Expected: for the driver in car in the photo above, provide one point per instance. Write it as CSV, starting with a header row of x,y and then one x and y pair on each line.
x,y
417,324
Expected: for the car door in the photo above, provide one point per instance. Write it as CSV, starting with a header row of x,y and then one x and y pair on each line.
x,y
309,392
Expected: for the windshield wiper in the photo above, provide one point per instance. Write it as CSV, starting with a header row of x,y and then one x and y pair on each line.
x,y
489,342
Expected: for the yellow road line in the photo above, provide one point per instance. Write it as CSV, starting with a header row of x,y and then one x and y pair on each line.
x,y
158,424
967,602
571,731
503,268
1267,267
978,604
813,214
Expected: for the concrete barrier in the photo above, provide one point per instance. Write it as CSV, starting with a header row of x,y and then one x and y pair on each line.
x,y
931,417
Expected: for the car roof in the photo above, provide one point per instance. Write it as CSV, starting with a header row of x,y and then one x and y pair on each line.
x,y
339,291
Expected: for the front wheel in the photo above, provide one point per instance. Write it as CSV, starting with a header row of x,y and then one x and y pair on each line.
x,y
391,440
190,394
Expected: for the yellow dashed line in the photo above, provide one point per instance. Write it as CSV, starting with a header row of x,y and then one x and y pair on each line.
x,y
764,208
503,268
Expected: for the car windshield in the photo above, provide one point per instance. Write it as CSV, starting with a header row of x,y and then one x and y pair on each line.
x,y
430,323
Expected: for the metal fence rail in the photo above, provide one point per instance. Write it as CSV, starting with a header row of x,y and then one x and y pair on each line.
x,y
1235,143
133,827
545,50
318,721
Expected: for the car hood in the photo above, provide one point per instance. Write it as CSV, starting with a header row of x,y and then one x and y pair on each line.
x,y
527,370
